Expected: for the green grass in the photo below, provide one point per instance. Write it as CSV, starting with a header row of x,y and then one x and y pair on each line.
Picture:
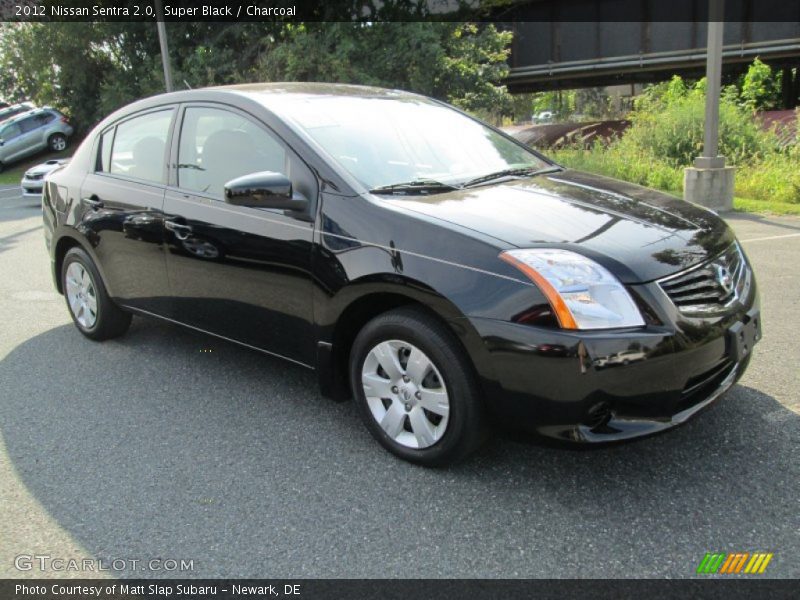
x,y
769,186
768,207
13,173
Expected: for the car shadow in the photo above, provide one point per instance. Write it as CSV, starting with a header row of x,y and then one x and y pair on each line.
x,y
170,444
9,241
18,209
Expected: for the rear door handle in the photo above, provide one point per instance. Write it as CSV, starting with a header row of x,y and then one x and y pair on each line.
x,y
93,202
181,231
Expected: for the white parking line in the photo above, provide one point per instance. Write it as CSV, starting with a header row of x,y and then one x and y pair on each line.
x,y
772,237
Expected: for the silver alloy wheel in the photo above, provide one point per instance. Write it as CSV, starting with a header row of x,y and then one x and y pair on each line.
x,y
59,143
81,295
406,394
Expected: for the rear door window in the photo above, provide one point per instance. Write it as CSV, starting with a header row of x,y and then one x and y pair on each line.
x,y
140,144
104,154
29,124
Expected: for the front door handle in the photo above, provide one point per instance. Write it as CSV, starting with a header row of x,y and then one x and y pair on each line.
x,y
181,231
94,202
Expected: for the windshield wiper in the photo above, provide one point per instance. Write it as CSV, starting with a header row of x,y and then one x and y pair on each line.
x,y
418,186
527,171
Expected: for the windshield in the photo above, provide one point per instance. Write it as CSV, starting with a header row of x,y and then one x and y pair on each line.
x,y
387,141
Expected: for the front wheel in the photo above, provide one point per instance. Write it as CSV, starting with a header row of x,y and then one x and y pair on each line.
x,y
93,312
415,388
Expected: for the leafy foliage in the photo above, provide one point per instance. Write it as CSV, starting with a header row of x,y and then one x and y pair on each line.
x,y
667,134
457,62
669,118
90,69
761,88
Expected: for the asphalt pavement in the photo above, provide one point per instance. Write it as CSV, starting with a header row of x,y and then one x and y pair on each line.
x,y
168,444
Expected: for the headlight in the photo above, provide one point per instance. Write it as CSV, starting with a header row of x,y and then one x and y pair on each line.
x,y
583,294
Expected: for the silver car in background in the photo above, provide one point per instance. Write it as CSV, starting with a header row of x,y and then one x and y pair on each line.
x,y
32,132
33,180
15,109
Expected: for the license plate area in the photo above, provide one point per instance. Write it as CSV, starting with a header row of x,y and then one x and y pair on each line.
x,y
743,336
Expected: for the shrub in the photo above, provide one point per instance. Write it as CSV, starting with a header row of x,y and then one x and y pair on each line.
x,y
668,123
666,135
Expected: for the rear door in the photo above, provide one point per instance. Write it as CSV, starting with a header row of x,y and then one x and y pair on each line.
x,y
42,120
239,272
123,201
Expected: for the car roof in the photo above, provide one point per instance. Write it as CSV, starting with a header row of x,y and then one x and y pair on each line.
x,y
302,88
13,107
276,96
29,113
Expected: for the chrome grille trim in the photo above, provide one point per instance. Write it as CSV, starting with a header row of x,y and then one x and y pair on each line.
x,y
710,287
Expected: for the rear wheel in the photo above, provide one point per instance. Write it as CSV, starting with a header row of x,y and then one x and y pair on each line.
x,y
57,142
93,312
415,388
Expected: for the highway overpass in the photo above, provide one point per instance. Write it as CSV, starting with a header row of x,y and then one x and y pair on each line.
x,y
554,50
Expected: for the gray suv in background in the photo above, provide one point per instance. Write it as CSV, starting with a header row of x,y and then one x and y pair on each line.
x,y
12,111
32,132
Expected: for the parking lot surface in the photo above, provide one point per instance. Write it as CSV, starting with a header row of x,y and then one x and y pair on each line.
x,y
168,444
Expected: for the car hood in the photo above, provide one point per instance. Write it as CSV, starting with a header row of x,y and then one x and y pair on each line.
x,y
45,168
637,233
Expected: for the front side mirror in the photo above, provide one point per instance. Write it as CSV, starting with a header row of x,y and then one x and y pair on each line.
x,y
265,189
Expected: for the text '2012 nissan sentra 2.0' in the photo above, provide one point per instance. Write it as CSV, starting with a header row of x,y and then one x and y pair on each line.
x,y
433,268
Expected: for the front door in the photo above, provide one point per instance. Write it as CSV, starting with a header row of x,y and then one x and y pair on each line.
x,y
13,142
238,272
123,198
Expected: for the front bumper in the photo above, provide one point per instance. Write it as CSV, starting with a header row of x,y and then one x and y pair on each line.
x,y
32,188
594,387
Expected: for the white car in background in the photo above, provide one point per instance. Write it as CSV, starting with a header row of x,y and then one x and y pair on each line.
x,y
33,180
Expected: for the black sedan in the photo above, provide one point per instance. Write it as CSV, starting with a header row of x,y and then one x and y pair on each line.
x,y
443,274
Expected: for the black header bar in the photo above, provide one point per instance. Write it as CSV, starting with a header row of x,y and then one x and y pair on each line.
x,y
398,10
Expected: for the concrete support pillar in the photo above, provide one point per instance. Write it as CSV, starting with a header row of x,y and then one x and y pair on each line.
x,y
709,182
712,188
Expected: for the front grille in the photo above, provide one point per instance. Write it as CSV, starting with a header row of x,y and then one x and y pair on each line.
x,y
35,177
712,286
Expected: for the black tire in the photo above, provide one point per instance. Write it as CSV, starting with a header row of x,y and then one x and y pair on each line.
x,y
111,321
55,140
466,426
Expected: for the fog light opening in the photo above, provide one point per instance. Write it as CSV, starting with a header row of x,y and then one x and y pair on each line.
x,y
598,416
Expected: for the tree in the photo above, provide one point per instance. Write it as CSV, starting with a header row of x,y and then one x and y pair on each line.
x,y
62,65
461,63
761,88
90,69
